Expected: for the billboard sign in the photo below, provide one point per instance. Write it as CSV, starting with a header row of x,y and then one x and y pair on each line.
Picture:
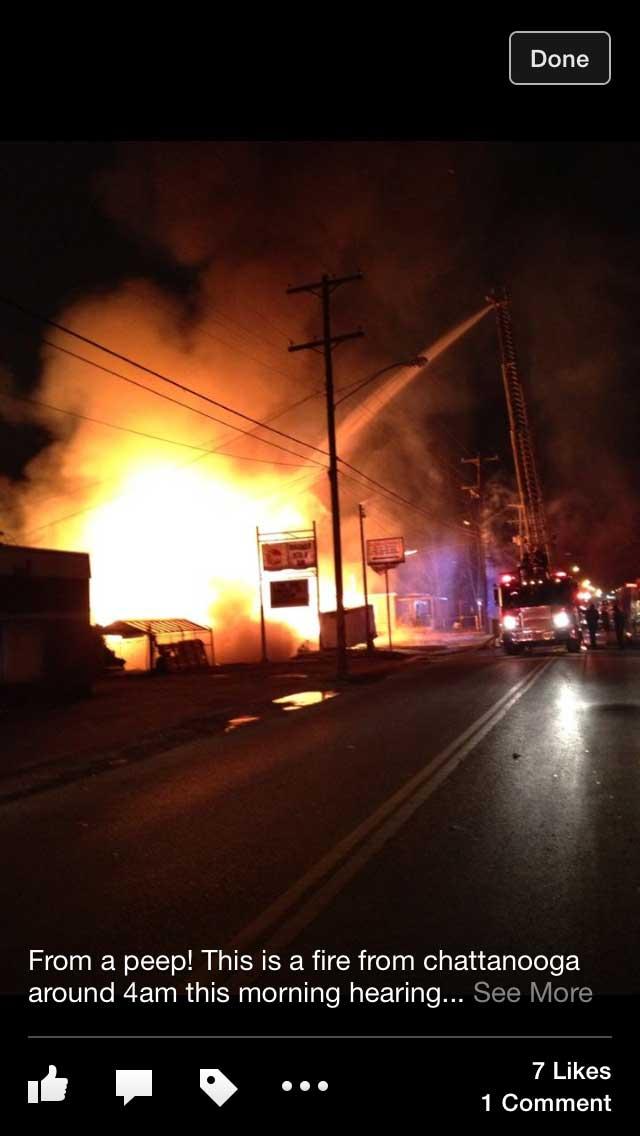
x,y
289,554
290,593
385,553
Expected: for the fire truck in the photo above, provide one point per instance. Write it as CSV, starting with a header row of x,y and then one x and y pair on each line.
x,y
538,611
538,607
628,597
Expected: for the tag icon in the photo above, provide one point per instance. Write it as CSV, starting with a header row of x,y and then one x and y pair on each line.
x,y
216,1085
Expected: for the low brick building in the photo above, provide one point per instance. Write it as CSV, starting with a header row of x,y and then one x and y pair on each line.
x,y
45,626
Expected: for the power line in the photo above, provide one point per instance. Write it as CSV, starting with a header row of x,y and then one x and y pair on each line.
x,y
225,320
206,452
223,316
385,492
266,320
119,496
152,437
259,424
312,467
457,441
174,401
125,378
370,412
101,504
195,410
280,414
155,374
380,513
403,500
241,351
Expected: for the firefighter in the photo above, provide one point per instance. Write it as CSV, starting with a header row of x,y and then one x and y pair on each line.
x,y
540,562
526,568
619,621
592,623
606,622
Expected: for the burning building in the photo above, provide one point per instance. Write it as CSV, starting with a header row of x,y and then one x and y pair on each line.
x,y
161,644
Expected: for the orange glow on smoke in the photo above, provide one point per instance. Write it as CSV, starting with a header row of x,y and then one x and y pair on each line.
x,y
180,541
183,542
172,533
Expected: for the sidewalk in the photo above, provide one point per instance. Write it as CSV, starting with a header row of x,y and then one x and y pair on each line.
x,y
133,716
449,641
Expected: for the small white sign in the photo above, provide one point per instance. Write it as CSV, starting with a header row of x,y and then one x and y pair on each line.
x,y
387,552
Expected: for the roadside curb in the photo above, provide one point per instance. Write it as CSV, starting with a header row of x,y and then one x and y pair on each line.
x,y
31,781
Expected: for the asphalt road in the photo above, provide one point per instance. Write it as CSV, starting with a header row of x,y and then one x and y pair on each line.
x,y
475,800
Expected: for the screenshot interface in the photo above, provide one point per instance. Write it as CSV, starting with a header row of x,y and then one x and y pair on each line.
x,y
320,605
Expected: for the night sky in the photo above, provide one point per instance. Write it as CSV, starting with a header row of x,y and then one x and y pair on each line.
x,y
432,225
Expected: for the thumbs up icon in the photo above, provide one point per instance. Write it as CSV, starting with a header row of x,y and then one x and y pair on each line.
x,y
50,1088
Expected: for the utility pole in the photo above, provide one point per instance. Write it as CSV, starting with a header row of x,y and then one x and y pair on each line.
x,y
323,289
476,493
386,588
370,643
263,629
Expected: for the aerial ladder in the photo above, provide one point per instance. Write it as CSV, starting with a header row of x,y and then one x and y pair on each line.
x,y
531,505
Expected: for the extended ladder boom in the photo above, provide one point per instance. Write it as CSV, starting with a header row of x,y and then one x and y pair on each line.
x,y
530,493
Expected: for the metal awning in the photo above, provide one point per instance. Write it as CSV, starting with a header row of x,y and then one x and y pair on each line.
x,y
134,628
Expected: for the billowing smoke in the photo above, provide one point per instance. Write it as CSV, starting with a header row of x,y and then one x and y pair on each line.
x,y
171,528
223,229
171,531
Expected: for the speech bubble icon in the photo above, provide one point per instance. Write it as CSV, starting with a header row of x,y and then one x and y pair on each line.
x,y
132,1083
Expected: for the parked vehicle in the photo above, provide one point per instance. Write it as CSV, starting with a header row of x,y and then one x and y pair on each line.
x,y
538,612
628,597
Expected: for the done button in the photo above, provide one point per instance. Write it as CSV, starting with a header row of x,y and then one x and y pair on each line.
x,y
553,59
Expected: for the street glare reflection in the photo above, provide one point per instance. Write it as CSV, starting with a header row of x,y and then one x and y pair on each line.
x,y
568,705
233,723
303,698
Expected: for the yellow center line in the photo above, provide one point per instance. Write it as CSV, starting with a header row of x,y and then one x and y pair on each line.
x,y
300,905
